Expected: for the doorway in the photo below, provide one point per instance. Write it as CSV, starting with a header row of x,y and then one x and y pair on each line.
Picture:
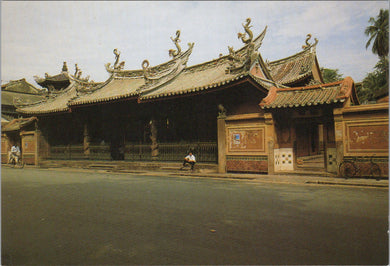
x,y
307,139
308,151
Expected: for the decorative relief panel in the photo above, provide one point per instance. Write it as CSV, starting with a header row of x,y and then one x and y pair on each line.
x,y
367,137
246,139
28,144
283,159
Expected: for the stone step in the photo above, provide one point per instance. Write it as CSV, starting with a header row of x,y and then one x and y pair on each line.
x,y
124,165
319,157
311,165
308,173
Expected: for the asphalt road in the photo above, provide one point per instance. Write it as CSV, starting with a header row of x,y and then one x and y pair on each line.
x,y
92,217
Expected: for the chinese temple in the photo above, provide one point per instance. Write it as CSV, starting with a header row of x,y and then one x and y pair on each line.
x,y
239,112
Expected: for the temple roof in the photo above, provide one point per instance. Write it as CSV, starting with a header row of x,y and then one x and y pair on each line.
x,y
330,93
58,102
17,124
295,68
20,92
60,81
21,86
174,78
203,77
12,98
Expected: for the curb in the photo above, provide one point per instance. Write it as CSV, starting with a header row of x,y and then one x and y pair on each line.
x,y
276,179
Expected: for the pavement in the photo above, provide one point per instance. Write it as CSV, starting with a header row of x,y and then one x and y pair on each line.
x,y
288,178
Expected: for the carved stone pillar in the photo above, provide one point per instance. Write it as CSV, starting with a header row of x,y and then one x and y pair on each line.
x,y
86,143
153,138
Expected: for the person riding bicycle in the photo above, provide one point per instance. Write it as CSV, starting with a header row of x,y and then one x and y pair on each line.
x,y
15,154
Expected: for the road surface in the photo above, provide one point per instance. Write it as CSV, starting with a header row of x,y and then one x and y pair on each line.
x,y
95,217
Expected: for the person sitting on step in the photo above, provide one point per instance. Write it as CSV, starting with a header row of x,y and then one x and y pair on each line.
x,y
189,159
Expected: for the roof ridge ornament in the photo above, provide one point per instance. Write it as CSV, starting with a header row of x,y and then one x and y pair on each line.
x,y
146,70
242,60
161,74
173,53
308,45
117,65
242,36
64,67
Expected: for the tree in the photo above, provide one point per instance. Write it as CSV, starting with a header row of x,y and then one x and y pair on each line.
x,y
330,75
375,85
378,32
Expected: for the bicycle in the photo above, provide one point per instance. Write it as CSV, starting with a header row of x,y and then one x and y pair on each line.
x,y
348,168
16,162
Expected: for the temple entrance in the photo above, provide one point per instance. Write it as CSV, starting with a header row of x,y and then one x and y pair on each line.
x,y
309,152
307,139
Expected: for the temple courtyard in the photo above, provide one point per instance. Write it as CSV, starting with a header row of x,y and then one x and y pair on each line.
x,y
91,217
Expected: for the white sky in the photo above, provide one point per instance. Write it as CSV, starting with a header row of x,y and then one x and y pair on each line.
x,y
37,37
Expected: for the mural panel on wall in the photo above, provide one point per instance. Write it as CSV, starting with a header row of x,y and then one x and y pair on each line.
x,y
367,137
246,140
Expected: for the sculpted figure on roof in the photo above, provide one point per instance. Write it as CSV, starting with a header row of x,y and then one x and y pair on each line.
x,y
77,69
117,65
307,45
146,70
64,67
242,36
173,53
235,60
246,59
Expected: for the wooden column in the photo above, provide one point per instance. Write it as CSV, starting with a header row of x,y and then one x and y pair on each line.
x,y
339,132
86,143
221,128
270,139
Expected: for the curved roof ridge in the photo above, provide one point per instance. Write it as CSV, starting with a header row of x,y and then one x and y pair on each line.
x,y
223,59
217,61
308,50
315,86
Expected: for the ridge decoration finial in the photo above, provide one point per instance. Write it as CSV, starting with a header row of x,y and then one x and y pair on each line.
x,y
117,65
64,67
173,53
145,68
307,44
76,70
243,59
242,36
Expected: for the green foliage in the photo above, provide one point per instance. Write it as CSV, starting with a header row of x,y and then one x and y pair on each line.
x,y
378,32
375,84
330,75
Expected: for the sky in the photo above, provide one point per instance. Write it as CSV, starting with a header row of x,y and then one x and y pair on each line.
x,y
37,37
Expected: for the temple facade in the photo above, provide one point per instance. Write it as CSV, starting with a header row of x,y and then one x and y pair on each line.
x,y
239,112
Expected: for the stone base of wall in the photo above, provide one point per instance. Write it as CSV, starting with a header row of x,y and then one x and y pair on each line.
x,y
4,158
29,159
249,164
364,166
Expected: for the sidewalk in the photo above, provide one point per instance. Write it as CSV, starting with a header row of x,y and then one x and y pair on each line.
x,y
206,173
285,179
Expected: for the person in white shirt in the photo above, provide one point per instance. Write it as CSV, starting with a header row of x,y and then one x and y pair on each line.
x,y
15,153
189,159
